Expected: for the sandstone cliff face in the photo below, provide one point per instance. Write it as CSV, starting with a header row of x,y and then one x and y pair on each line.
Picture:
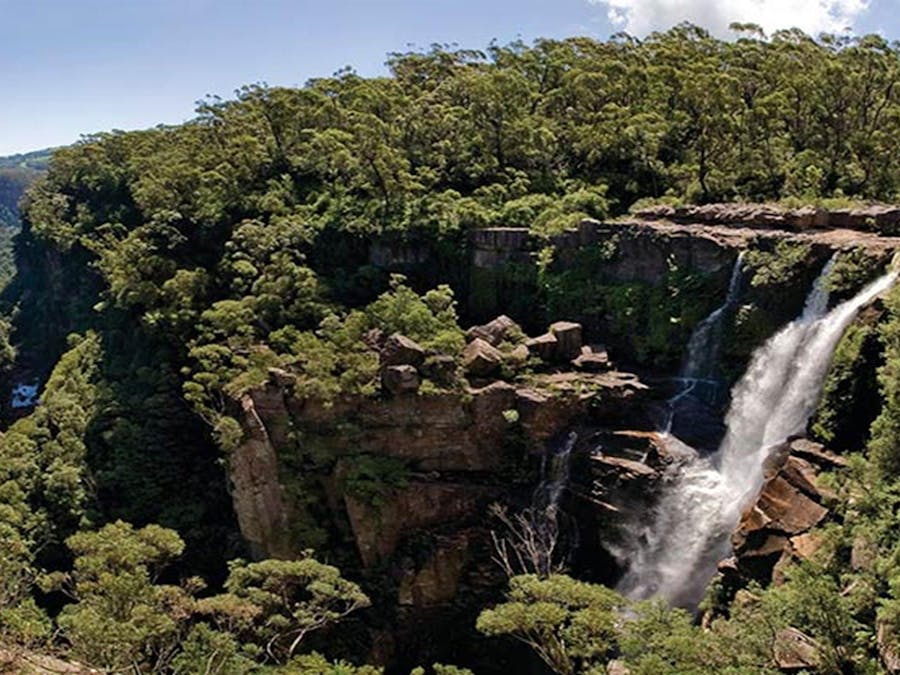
x,y
421,540
777,528
702,239
459,448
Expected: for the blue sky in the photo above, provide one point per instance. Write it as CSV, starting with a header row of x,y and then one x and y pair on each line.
x,y
69,67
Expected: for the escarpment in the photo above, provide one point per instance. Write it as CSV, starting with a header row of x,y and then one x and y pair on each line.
x,y
401,481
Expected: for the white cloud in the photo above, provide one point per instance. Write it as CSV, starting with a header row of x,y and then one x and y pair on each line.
x,y
639,17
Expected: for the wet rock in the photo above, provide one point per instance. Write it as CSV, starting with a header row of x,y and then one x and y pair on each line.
x,y
817,454
777,527
543,346
795,651
785,509
496,331
399,380
624,469
400,350
568,339
481,358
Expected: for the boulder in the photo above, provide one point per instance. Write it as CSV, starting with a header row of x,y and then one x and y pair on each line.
x,y
399,350
785,509
543,346
496,331
805,545
794,650
568,339
777,528
481,358
398,380
592,360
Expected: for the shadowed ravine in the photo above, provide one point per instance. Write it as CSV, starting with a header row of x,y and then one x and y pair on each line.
x,y
674,555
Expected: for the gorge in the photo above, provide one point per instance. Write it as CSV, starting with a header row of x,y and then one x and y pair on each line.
x,y
580,357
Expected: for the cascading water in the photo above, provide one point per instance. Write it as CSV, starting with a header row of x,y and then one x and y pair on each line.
x,y
535,531
554,476
706,340
675,555
698,377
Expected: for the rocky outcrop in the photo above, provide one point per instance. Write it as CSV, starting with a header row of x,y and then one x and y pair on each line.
x,y
457,433
496,331
794,651
449,455
399,380
777,528
25,662
881,218
568,340
481,358
399,350
592,359
256,489
378,528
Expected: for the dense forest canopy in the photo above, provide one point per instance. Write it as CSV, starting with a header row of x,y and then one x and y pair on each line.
x,y
190,259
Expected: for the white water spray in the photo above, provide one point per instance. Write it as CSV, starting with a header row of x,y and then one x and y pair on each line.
x,y
675,555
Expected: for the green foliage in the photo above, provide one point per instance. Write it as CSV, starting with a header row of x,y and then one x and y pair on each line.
x,y
660,640
884,447
121,619
44,492
577,627
851,271
316,664
370,477
430,319
651,323
211,652
569,624
277,603
778,267
849,401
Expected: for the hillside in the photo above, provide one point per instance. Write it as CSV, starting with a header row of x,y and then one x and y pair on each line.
x,y
577,357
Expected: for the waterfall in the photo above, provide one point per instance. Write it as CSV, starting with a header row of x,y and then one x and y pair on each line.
x,y
543,516
676,553
706,340
699,371
554,477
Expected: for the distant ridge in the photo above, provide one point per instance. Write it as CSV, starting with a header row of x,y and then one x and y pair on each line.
x,y
17,172
34,161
